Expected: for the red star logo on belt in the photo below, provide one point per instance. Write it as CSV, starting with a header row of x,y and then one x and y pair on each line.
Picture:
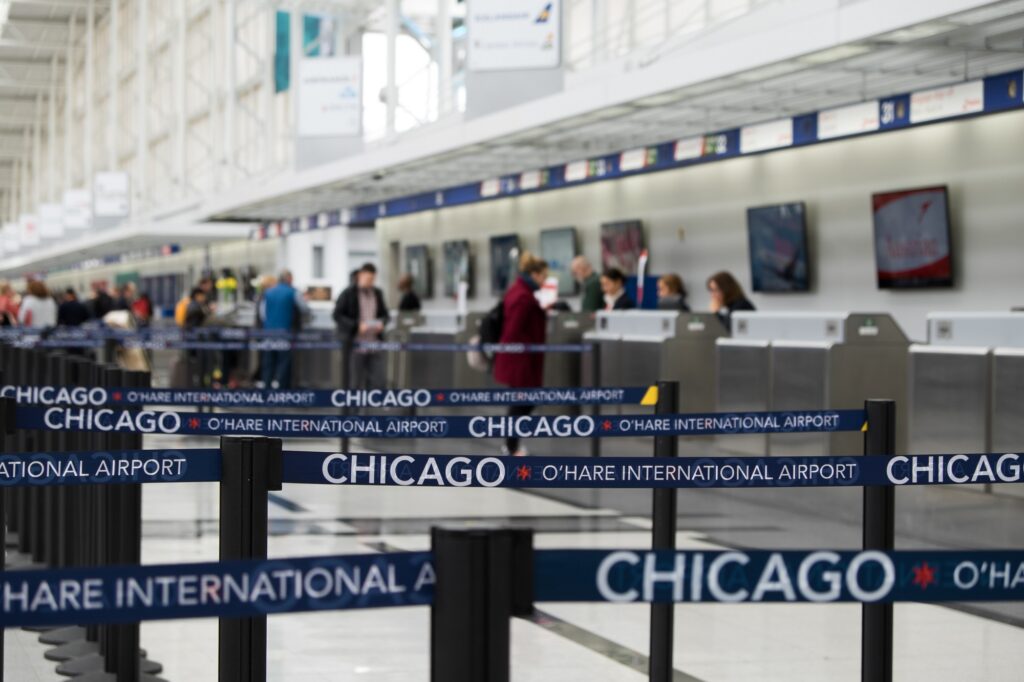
x,y
924,575
606,425
439,397
117,395
523,472
193,423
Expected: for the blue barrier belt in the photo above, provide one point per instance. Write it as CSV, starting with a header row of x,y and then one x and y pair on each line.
x,y
197,465
125,466
646,472
533,426
423,397
237,589
328,341
231,589
778,576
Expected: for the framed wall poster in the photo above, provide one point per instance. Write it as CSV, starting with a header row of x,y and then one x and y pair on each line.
x,y
558,248
458,267
777,236
417,264
621,244
913,245
504,262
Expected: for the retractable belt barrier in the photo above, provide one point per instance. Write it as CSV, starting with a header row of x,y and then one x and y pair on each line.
x,y
246,339
81,396
235,589
533,426
461,471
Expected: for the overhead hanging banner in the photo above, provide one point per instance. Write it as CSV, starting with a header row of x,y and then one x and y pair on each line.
x,y
28,230
506,35
51,221
330,96
111,195
77,209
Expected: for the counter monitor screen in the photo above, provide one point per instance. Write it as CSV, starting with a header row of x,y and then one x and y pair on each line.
x,y
912,238
778,247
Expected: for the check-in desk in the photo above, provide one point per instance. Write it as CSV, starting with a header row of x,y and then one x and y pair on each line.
x,y
813,361
465,376
434,369
630,350
966,386
319,368
565,369
399,331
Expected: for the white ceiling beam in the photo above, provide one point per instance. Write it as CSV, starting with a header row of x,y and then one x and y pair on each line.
x,y
34,45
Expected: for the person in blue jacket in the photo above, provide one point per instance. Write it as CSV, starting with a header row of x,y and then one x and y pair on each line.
x,y
282,309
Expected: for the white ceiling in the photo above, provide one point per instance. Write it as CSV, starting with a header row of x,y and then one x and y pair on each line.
x,y
964,46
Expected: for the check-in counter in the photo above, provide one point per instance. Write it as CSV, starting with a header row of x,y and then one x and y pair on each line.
x,y
743,375
965,387
565,369
465,376
319,368
689,358
399,331
629,345
434,369
814,361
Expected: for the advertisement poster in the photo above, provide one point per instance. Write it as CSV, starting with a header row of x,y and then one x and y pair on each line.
x,y
504,262
558,248
778,247
458,267
506,35
621,246
111,195
912,241
330,96
417,264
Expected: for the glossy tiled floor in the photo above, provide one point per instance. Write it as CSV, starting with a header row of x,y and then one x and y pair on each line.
x,y
563,642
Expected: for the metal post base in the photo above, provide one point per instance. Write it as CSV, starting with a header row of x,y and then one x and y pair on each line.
x,y
112,677
62,636
95,663
71,650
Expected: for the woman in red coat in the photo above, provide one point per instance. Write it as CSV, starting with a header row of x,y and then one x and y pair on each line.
x,y
525,322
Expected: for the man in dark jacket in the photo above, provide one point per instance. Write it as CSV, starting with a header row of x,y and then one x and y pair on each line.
x,y
590,284
71,312
361,314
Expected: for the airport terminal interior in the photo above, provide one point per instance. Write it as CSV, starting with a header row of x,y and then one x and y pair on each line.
x,y
469,265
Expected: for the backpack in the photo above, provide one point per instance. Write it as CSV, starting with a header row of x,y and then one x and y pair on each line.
x,y
492,323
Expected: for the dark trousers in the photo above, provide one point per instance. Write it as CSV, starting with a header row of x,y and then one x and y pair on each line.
x,y
276,366
368,371
512,442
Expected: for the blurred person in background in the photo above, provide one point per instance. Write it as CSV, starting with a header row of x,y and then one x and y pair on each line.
x,y
282,309
590,284
410,302
142,309
101,303
267,282
524,322
197,310
125,296
38,309
9,303
71,312
361,315
672,293
727,297
613,284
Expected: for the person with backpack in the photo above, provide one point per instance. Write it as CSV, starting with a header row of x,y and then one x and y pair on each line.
x,y
523,321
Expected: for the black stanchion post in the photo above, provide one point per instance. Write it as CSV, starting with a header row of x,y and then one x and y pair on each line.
x,y
880,534
484,577
7,406
250,467
595,380
663,536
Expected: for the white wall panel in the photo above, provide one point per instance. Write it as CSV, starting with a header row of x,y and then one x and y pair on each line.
x,y
981,160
